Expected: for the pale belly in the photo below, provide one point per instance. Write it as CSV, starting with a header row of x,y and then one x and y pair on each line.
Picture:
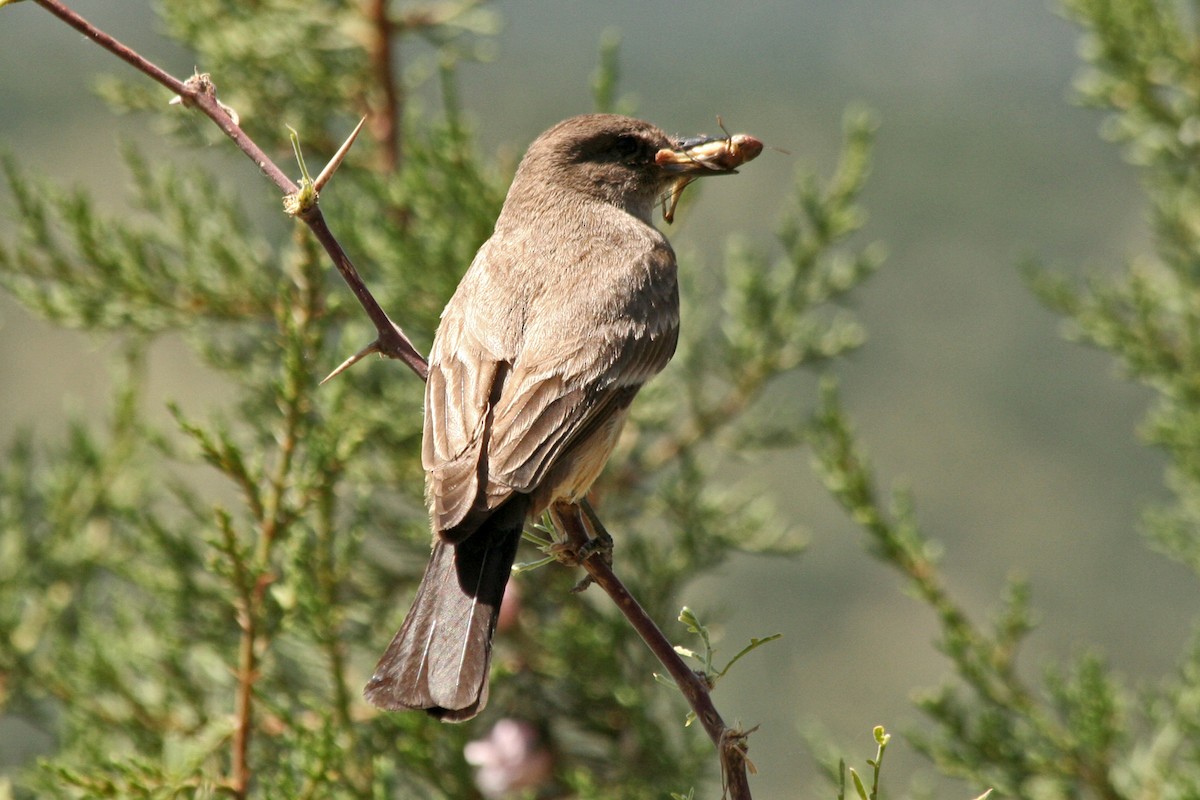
x,y
572,477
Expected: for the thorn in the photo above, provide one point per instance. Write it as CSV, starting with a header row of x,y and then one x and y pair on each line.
x,y
373,347
337,159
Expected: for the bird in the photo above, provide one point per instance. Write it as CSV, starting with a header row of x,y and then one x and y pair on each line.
x,y
566,311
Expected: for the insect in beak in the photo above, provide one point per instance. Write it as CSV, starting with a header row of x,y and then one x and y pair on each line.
x,y
703,155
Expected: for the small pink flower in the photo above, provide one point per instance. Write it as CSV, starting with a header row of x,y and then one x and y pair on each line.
x,y
509,759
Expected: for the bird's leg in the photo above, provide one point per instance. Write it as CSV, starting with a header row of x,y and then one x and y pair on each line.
x,y
573,538
578,544
582,534
599,539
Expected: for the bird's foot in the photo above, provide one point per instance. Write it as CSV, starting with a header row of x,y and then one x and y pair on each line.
x,y
599,545
573,555
580,541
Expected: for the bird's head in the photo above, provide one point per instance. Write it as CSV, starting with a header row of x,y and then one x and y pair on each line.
x,y
625,162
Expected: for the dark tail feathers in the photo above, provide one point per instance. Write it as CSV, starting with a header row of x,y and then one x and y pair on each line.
x,y
439,660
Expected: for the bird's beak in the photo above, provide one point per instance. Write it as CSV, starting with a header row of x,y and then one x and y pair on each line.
x,y
695,158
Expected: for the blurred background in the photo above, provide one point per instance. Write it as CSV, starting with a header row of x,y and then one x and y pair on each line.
x,y
1019,447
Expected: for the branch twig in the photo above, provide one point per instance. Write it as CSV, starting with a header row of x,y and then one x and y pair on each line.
x,y
199,92
730,742
384,113
391,341
194,94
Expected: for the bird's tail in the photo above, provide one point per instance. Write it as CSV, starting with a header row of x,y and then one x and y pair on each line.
x,y
439,660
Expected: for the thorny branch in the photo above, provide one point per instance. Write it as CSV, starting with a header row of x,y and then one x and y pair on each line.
x,y
199,92
730,742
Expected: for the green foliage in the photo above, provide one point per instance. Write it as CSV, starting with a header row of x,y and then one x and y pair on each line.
x,y
881,740
1142,68
191,610
709,669
1081,732
145,271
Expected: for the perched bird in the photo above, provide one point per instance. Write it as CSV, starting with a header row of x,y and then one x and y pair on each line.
x,y
567,309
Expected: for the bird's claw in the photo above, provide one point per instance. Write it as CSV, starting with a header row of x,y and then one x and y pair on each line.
x,y
574,556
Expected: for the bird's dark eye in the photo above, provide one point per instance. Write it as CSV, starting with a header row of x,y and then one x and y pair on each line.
x,y
627,146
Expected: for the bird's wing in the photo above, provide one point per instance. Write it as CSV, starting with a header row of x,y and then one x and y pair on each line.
x,y
472,354
547,405
458,397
